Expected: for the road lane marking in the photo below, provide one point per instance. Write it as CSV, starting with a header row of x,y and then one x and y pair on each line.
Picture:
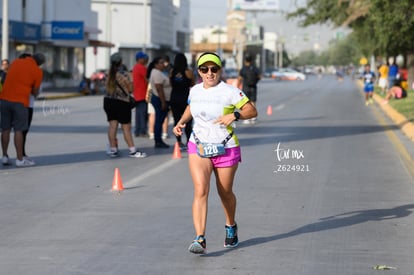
x,y
138,179
279,107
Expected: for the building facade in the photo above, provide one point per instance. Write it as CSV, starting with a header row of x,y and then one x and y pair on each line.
x,y
78,36
157,27
60,29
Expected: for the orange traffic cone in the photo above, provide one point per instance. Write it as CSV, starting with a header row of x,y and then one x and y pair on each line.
x,y
177,151
269,110
117,182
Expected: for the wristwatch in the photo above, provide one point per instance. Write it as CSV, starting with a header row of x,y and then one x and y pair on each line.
x,y
236,115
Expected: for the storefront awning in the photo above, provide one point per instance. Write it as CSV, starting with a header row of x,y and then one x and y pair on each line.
x,y
99,43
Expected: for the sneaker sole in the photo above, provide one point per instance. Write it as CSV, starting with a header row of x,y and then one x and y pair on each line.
x,y
196,248
231,245
142,155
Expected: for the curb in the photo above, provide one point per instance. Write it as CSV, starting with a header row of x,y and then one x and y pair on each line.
x,y
58,96
406,126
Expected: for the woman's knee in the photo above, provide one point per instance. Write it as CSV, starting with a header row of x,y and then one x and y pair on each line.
x,y
226,194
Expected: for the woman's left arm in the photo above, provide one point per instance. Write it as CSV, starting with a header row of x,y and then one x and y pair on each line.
x,y
247,111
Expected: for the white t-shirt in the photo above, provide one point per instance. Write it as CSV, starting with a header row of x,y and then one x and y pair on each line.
x,y
207,105
157,77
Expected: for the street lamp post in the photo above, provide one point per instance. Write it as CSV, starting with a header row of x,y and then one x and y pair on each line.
x,y
5,31
144,46
108,31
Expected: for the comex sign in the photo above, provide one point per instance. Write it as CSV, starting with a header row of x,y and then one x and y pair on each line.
x,y
67,30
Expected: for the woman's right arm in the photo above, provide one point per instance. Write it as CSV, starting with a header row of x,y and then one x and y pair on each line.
x,y
186,117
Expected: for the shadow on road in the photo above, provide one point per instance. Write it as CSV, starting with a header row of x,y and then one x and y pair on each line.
x,y
328,223
272,135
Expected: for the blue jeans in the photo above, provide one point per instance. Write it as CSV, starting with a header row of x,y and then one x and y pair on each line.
x,y
141,117
391,80
160,116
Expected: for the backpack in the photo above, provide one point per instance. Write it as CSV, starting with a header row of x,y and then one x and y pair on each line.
x,y
251,76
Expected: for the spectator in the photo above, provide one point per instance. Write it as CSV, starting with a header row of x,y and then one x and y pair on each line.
x,y
4,69
392,73
249,76
181,79
30,113
160,98
151,110
139,78
383,77
23,79
117,108
84,86
167,65
396,92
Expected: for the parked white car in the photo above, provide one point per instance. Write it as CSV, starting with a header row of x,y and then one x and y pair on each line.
x,y
288,74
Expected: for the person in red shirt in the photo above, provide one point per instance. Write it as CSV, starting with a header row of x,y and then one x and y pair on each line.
x,y
139,78
23,79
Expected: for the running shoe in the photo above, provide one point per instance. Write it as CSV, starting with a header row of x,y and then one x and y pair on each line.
x,y
138,154
198,246
371,101
231,236
24,162
5,160
26,157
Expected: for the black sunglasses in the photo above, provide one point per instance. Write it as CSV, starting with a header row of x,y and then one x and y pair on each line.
x,y
213,69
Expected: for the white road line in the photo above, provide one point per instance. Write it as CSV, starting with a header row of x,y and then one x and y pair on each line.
x,y
137,180
279,107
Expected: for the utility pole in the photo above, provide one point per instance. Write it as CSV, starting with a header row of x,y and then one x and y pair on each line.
x,y
144,45
108,34
5,31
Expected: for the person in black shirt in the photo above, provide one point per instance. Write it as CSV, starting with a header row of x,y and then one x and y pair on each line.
x,y
181,78
249,76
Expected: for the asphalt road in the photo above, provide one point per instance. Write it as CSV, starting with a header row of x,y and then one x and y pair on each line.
x,y
325,187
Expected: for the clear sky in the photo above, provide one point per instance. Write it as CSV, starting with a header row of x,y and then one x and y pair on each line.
x,y
207,13
213,12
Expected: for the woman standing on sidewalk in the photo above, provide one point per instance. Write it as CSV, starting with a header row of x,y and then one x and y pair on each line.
x,y
160,99
117,108
213,146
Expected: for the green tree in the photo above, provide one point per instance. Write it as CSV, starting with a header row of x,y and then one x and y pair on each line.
x,y
305,58
340,52
379,26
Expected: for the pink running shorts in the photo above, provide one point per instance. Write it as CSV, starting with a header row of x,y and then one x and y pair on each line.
x,y
230,158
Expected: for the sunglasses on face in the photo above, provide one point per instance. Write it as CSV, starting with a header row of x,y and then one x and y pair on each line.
x,y
205,69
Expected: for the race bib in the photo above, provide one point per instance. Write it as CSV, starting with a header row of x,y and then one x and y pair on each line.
x,y
209,150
